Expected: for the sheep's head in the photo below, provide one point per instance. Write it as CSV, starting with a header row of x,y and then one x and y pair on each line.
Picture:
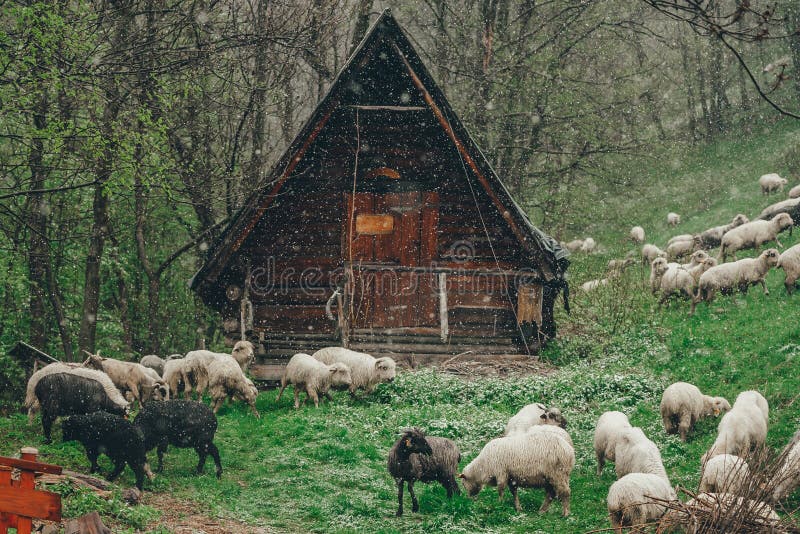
x,y
94,361
340,374
553,416
739,220
243,352
473,487
715,405
770,256
413,441
698,256
659,266
784,221
385,369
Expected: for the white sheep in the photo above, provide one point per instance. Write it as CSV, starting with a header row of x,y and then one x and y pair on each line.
x,y
683,404
725,473
673,219
637,234
771,182
637,499
557,430
743,429
650,253
588,245
194,369
242,352
713,236
680,237
739,275
789,206
635,453
533,415
153,362
534,459
679,249
574,245
794,192
313,376
754,234
591,285
617,267
607,432
226,380
788,474
174,371
657,270
366,371
32,402
131,377
789,261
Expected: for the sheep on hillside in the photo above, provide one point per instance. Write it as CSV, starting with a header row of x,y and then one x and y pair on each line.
x,y
789,261
743,429
366,371
573,246
532,415
589,245
657,270
683,404
638,499
788,474
679,249
739,275
534,459
680,237
591,285
226,380
713,236
32,403
725,474
417,457
794,192
635,453
617,267
314,377
754,234
790,206
673,219
130,377
637,234
153,362
681,281
650,253
771,182
607,432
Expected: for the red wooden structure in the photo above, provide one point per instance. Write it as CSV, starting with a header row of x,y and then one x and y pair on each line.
x,y
19,501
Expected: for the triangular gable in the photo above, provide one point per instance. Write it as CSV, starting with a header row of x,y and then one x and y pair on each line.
x,y
385,37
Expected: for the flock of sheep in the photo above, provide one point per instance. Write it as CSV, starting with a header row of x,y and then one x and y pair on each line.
x,y
703,276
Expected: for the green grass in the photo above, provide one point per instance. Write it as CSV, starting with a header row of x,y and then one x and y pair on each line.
x,y
324,470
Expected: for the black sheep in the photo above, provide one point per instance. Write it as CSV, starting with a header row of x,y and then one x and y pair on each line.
x,y
182,423
67,394
112,435
427,459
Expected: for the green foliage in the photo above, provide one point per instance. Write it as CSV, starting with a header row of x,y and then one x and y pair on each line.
x,y
81,501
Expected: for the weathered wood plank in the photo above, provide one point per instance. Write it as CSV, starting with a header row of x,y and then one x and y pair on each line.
x,y
31,503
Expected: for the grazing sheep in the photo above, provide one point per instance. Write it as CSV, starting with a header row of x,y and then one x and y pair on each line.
x,y
242,352
557,430
366,371
533,459
153,362
713,236
683,404
316,378
790,206
574,245
637,234
617,267
130,378
673,219
680,237
174,372
591,285
73,394
115,436
226,380
735,275
676,281
32,403
607,432
650,253
417,457
180,423
532,415
788,474
635,453
754,234
679,249
194,371
771,182
657,270
636,499
589,245
743,429
725,474
794,192
789,261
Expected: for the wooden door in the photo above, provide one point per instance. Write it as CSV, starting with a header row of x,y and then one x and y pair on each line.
x,y
387,239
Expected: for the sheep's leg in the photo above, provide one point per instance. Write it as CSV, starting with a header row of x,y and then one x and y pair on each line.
x,y
296,398
254,410
414,502
312,394
162,448
119,465
214,452
399,497
764,286
450,485
515,493
92,455
777,241
549,495
218,404
501,489
31,411
684,426
47,426
283,386
616,521
788,283
202,452
563,494
138,471
328,395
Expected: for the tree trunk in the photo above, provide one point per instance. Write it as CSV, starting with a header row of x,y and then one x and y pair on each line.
x,y
91,277
688,77
362,23
793,30
701,91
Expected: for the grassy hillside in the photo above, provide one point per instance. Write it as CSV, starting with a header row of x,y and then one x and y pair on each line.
x,y
324,470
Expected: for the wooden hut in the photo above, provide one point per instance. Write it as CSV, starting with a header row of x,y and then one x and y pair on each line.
x,y
384,228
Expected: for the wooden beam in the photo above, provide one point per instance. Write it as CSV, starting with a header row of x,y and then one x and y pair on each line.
x,y
442,279
388,108
31,503
30,466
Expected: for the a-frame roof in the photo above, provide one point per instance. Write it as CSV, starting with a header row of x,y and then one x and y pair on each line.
x,y
385,33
